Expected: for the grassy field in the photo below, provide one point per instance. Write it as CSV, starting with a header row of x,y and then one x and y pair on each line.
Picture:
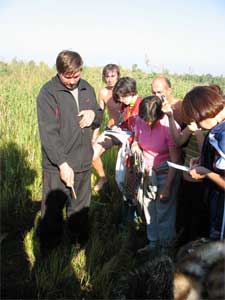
x,y
70,272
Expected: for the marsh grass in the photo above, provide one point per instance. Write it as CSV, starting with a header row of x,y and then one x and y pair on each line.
x,y
69,272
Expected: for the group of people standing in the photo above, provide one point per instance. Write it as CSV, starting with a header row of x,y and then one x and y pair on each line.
x,y
160,127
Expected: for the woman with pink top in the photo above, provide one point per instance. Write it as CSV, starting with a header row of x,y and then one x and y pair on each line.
x,y
158,193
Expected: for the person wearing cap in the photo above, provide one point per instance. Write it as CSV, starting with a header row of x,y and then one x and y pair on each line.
x,y
206,107
68,113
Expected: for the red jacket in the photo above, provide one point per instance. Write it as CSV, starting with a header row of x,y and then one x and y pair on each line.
x,y
130,113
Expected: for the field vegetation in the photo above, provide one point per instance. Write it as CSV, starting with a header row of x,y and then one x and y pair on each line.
x,y
70,272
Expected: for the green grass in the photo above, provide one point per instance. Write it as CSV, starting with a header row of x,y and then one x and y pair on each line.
x,y
69,272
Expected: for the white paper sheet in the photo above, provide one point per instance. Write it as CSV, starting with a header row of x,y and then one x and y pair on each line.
x,y
122,135
179,167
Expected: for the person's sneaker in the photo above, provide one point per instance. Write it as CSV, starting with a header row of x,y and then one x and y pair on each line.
x,y
148,248
100,184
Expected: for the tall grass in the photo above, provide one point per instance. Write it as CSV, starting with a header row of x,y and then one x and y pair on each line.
x,y
69,272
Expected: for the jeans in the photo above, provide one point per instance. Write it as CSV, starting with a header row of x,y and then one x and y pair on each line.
x,y
160,215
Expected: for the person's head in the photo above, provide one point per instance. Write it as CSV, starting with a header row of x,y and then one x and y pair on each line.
x,y
69,66
161,86
125,90
110,75
203,105
150,110
199,270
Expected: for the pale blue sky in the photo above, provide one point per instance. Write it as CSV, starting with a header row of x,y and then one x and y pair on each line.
x,y
181,36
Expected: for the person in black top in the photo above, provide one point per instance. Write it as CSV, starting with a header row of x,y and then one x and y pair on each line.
x,y
68,113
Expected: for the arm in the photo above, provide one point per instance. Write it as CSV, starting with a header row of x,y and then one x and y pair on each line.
x,y
179,138
200,173
135,147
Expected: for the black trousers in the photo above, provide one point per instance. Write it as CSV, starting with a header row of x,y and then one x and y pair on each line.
x,y
82,186
192,211
55,196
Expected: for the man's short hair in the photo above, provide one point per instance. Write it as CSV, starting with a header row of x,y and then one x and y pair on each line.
x,y
124,87
68,62
164,78
108,68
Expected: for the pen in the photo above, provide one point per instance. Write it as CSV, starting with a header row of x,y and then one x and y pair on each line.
x,y
73,192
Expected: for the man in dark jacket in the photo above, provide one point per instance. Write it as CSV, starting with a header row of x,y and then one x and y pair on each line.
x,y
67,115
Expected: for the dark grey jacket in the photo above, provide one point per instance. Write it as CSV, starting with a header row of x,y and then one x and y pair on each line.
x,y
62,139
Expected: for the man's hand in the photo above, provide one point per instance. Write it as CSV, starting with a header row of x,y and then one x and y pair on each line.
x,y
87,118
66,174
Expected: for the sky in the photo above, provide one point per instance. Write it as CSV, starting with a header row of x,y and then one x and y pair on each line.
x,y
178,36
